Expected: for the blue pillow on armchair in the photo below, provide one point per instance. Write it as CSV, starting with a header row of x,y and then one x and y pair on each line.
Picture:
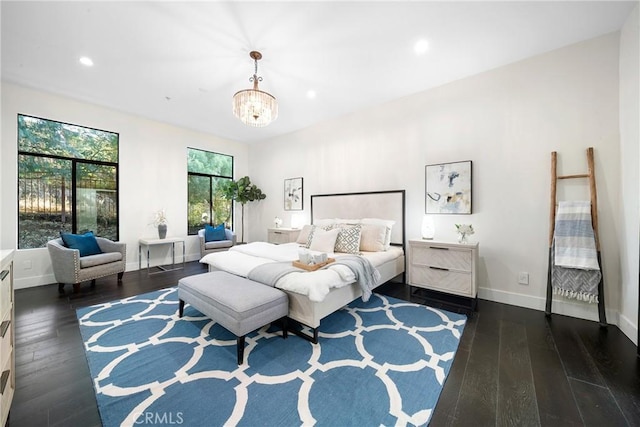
x,y
86,243
214,234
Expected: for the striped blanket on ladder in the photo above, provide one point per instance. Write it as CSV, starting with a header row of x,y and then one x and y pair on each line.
x,y
575,269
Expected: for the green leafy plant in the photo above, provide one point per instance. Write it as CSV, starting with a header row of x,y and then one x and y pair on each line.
x,y
242,191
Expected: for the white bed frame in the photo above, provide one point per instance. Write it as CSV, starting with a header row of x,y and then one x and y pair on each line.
x,y
379,204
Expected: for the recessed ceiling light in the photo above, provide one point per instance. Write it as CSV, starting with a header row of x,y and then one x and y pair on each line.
x,y
86,61
311,94
421,47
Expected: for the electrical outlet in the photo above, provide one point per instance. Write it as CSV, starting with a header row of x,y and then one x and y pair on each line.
x,y
523,278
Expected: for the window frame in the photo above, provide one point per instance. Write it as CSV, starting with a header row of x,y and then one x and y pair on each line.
x,y
75,161
210,177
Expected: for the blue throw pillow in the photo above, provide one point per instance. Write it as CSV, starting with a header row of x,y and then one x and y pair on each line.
x,y
214,234
86,243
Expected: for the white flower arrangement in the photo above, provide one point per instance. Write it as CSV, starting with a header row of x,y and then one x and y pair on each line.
x,y
277,221
159,217
466,229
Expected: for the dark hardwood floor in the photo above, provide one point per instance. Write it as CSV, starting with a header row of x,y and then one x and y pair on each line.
x,y
513,367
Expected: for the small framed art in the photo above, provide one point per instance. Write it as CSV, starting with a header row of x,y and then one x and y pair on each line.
x,y
293,196
448,188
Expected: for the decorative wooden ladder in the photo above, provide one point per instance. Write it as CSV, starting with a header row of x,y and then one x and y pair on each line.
x,y
591,175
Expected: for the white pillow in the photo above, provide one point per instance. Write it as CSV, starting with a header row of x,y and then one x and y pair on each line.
x,y
373,237
303,237
322,240
387,223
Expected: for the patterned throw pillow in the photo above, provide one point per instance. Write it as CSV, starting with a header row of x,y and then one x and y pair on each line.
x,y
348,240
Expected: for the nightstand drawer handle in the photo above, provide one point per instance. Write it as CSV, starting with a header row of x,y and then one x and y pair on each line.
x,y
277,232
4,274
4,326
436,247
439,268
4,380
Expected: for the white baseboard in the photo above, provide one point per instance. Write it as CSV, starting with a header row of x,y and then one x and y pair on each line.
x,y
558,306
48,279
628,328
33,281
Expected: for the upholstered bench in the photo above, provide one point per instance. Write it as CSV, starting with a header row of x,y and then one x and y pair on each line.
x,y
239,305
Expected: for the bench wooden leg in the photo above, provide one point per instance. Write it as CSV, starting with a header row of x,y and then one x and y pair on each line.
x,y
285,327
240,350
181,308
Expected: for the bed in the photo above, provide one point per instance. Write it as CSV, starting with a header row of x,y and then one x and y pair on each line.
x,y
321,299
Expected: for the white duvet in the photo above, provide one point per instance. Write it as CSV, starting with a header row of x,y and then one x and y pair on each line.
x,y
241,259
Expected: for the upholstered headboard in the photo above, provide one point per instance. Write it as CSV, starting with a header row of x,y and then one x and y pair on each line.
x,y
377,204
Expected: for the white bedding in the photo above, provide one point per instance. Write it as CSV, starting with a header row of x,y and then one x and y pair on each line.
x,y
241,259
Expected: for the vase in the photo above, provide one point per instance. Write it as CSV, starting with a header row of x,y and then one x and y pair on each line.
x,y
462,238
162,231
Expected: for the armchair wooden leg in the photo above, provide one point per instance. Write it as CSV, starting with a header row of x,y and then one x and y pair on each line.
x,y
61,288
76,288
120,277
93,283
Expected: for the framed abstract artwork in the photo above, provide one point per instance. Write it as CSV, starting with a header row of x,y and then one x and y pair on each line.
x,y
448,188
293,194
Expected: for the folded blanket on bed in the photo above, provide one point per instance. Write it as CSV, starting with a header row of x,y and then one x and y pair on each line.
x,y
575,269
366,275
268,274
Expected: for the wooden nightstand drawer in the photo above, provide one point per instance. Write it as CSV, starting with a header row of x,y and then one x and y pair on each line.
x,y
444,257
279,236
455,282
7,335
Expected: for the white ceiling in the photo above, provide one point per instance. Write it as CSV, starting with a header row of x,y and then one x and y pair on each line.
x,y
181,62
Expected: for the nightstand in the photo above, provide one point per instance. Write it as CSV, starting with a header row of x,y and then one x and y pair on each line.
x,y
444,267
282,235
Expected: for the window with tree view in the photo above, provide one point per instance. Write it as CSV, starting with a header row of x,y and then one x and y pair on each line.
x,y
67,181
207,172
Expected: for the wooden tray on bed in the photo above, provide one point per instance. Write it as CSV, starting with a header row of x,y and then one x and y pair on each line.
x,y
312,267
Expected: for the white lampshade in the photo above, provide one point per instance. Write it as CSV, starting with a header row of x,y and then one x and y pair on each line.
x,y
297,220
428,227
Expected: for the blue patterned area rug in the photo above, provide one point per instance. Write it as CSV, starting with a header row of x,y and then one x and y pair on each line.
x,y
383,362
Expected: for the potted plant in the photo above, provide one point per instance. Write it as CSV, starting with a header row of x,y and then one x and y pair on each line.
x,y
242,191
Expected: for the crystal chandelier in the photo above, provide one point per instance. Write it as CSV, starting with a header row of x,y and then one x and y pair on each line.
x,y
253,106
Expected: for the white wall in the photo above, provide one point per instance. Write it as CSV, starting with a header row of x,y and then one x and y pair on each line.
x,y
153,174
630,178
507,121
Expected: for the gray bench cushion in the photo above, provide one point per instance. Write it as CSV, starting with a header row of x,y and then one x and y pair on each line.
x,y
238,304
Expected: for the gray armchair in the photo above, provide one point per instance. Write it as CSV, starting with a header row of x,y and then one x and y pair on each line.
x,y
70,267
218,245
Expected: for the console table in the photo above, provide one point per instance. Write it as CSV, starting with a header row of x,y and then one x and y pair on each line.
x,y
148,243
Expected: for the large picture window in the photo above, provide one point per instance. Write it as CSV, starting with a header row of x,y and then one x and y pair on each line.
x,y
67,181
206,205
